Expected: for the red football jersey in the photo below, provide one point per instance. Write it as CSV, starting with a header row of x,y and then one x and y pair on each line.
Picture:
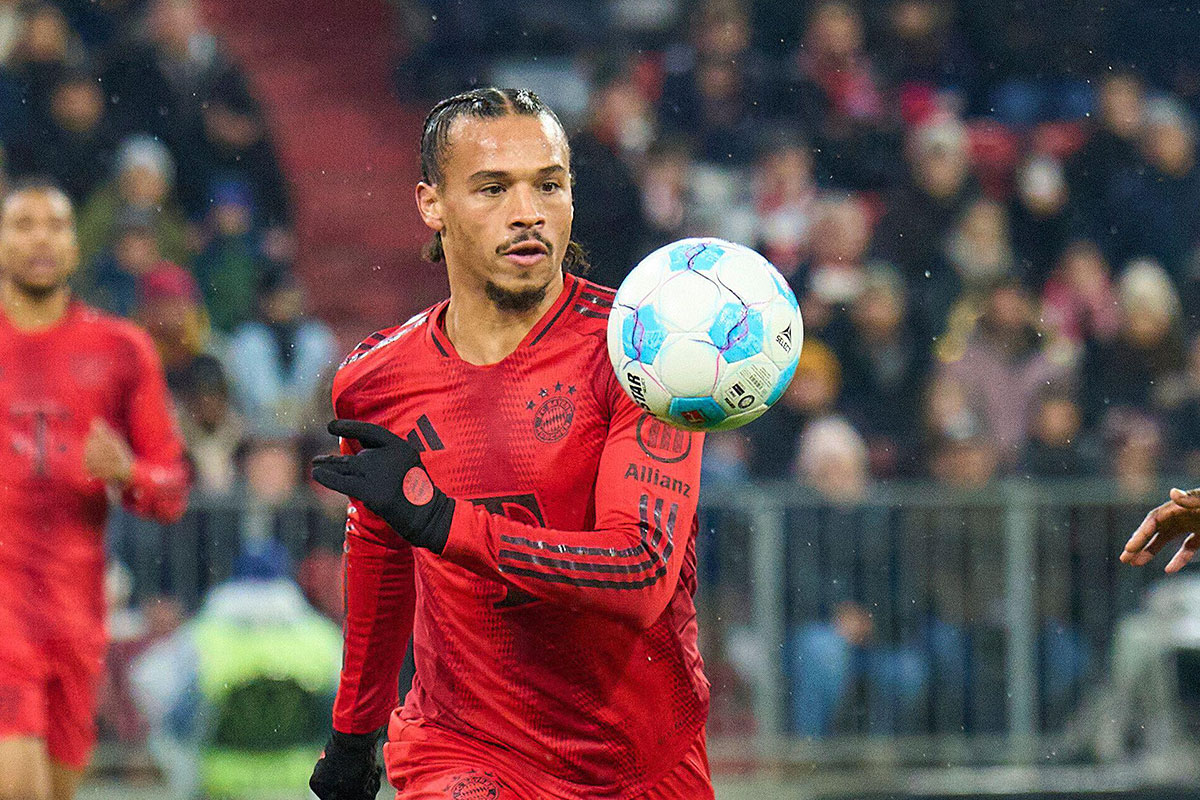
x,y
558,625
53,383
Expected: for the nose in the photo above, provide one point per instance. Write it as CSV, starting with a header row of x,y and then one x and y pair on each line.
x,y
525,211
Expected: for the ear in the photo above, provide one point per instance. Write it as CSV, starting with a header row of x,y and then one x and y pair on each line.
x,y
429,204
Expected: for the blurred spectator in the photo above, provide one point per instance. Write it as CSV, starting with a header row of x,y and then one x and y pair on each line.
x,y
836,273
111,280
966,463
884,368
171,311
1152,210
162,71
977,254
777,217
1112,145
236,693
1043,219
235,143
230,266
609,221
1078,302
811,395
272,491
911,232
948,412
10,27
828,659
1129,370
711,91
836,92
1135,449
1055,448
1003,368
45,48
277,362
831,457
922,52
212,428
667,192
144,178
75,144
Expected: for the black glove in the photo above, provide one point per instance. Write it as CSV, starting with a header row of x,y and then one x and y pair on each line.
x,y
347,770
387,477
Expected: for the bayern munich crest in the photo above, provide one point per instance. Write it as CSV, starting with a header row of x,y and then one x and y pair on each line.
x,y
553,412
475,787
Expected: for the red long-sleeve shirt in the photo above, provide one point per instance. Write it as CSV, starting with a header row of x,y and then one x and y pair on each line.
x,y
558,622
53,383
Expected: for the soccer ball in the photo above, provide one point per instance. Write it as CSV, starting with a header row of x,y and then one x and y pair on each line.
x,y
705,334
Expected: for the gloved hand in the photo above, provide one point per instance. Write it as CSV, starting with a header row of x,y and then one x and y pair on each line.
x,y
347,770
388,478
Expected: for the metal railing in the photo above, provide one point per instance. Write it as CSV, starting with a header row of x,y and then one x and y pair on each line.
x,y
941,625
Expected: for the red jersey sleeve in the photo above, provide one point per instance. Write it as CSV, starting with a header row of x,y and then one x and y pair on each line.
x,y
628,566
158,487
380,600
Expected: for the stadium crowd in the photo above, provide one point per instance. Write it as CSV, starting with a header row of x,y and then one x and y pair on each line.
x,y
990,214
991,219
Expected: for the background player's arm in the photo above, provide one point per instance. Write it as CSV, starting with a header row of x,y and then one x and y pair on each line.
x,y
628,567
380,598
158,482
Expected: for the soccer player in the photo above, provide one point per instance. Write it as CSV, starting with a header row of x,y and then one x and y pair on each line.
x,y
512,509
84,412
1179,516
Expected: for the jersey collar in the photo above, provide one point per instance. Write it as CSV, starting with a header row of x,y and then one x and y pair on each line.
x,y
435,327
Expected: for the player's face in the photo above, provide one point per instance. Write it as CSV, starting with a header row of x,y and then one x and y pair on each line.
x,y
503,205
38,251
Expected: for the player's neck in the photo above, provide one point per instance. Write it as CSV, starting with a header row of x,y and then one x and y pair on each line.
x,y
30,312
483,334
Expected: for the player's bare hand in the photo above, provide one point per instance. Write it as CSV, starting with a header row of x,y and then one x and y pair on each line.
x,y
106,455
1179,516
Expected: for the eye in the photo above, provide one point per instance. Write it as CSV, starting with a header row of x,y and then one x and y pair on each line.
x,y
551,186
492,189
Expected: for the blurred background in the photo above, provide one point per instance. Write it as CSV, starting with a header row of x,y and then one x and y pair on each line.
x,y
989,209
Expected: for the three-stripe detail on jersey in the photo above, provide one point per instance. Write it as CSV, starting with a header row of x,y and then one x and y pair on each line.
x,y
364,347
640,565
426,430
595,301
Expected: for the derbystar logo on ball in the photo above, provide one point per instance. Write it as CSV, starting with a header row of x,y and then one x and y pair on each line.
x,y
705,334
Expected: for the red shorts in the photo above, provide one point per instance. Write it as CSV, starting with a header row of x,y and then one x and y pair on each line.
x,y
48,691
451,767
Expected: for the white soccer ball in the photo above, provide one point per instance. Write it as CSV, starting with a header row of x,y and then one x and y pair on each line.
x,y
705,334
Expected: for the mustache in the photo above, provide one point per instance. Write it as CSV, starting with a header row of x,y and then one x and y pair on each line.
x,y
528,236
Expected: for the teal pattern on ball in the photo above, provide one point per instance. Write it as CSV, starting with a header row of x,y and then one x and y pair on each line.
x,y
700,257
643,334
737,332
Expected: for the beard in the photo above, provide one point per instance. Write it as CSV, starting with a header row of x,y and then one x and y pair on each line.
x,y
519,301
37,292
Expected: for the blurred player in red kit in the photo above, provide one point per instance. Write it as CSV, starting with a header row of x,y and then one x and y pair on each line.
x,y
504,510
84,412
